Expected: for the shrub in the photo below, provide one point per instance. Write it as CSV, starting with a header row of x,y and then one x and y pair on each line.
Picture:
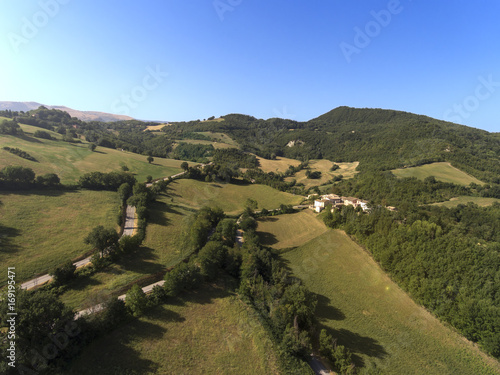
x,y
136,300
64,273
42,134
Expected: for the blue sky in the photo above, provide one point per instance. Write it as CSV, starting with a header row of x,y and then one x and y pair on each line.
x,y
190,59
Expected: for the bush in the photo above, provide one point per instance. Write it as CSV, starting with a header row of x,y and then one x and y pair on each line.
x,y
129,243
183,277
42,134
136,300
49,179
20,153
211,259
248,224
64,273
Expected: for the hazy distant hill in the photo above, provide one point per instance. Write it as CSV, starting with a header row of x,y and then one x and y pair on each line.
x,y
82,115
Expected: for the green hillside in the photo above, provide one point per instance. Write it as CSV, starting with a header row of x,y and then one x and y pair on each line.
x,y
371,315
42,229
71,160
441,171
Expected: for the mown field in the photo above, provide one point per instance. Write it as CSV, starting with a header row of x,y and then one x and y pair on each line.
x,y
163,247
70,161
441,171
290,230
203,142
278,165
42,229
480,201
368,313
347,170
230,197
206,332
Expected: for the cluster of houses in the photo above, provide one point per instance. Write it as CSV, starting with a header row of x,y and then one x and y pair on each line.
x,y
336,202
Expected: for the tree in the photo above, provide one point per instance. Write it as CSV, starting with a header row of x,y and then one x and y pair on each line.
x,y
124,191
17,174
102,238
184,166
251,205
136,300
49,179
150,159
211,259
248,224
149,179
92,146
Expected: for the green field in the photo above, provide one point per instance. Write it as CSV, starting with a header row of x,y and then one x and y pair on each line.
x,y
480,201
444,172
347,170
42,229
230,197
161,249
368,313
70,161
290,230
207,332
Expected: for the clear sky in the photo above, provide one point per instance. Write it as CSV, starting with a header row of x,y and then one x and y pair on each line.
x,y
190,59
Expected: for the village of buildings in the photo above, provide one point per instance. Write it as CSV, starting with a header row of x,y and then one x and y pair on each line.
x,y
336,201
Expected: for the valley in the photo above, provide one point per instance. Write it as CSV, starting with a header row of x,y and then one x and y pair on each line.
x,y
227,312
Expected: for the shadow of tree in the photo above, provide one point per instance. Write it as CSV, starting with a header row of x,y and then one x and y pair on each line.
x,y
268,218
266,238
326,311
357,344
6,236
141,260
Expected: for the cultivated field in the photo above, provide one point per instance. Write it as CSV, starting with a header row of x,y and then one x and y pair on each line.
x,y
441,171
230,197
205,332
42,229
480,201
162,248
368,313
290,230
70,161
348,170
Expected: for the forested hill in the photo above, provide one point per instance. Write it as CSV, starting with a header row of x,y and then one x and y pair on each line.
x,y
379,139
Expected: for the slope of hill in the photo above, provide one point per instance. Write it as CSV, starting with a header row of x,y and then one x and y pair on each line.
x,y
379,139
82,115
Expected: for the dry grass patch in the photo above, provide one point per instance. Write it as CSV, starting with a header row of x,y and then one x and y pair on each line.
x,y
279,165
480,201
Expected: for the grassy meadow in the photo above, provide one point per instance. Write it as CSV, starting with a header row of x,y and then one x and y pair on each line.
x,y
43,228
206,332
443,171
480,201
230,197
291,230
348,170
162,248
69,161
372,316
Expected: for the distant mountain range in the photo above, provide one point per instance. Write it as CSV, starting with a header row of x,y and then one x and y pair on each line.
x,y
82,115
